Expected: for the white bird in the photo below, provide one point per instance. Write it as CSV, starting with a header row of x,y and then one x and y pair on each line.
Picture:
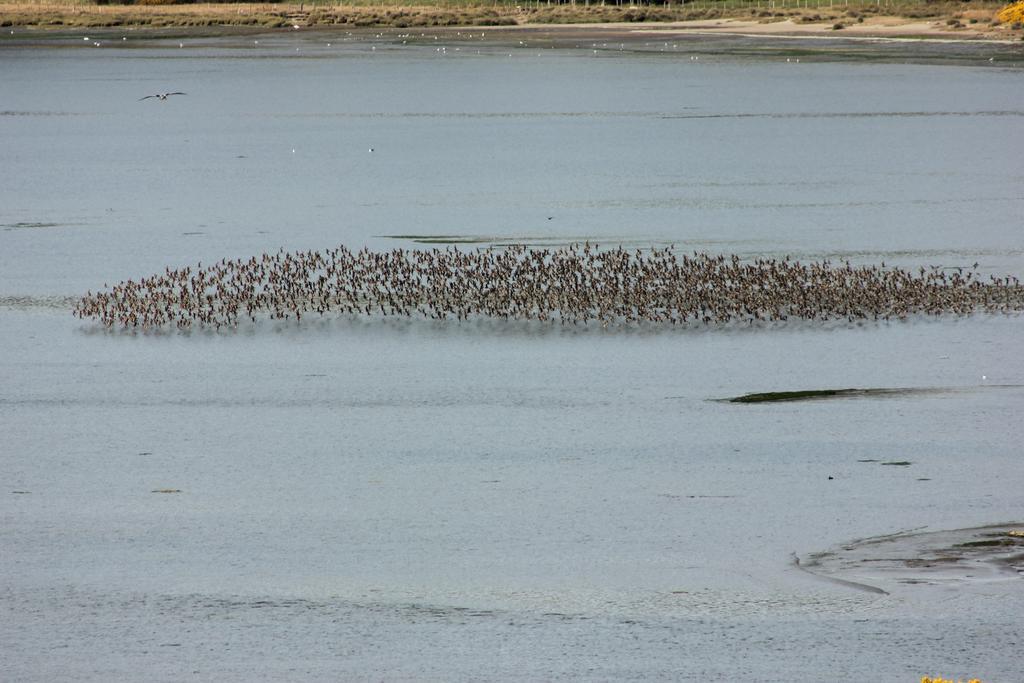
x,y
162,95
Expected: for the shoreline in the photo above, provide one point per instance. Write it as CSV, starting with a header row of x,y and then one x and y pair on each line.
x,y
723,37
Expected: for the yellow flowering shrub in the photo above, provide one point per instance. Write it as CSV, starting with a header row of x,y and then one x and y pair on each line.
x,y
1011,13
940,679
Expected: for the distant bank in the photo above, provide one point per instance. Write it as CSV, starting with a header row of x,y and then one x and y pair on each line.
x,y
975,19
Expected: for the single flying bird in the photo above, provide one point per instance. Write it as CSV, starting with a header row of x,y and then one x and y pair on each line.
x,y
162,95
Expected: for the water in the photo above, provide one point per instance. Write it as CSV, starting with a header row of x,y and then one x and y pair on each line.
x,y
386,500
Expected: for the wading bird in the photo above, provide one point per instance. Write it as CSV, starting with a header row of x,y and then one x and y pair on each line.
x,y
573,284
162,95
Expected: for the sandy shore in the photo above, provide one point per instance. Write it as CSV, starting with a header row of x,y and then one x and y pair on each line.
x,y
874,27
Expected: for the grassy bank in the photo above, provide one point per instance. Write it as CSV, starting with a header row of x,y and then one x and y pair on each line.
x,y
952,16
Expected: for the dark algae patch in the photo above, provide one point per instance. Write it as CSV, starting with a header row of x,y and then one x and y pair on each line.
x,y
1009,540
481,239
772,396
439,239
816,394
871,392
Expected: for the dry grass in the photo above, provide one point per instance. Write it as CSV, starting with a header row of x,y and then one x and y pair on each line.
x,y
1013,14
424,13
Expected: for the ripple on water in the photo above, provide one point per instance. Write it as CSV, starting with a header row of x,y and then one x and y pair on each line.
x,y
25,303
37,113
29,225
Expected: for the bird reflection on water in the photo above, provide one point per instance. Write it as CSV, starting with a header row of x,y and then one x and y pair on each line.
x,y
576,284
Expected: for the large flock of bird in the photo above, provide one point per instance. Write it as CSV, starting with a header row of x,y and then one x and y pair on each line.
x,y
577,284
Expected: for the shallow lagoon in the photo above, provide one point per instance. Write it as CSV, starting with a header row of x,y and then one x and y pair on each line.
x,y
373,499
